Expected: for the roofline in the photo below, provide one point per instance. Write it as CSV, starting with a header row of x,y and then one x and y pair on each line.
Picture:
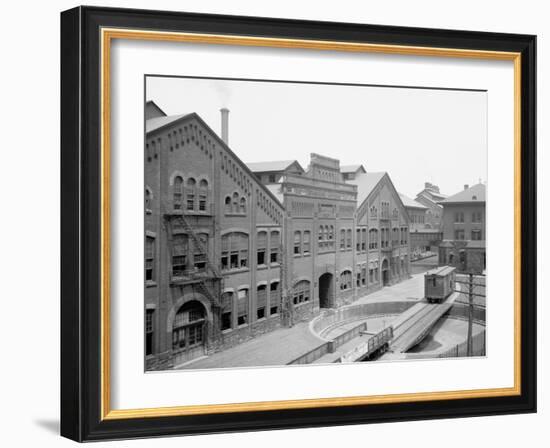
x,y
226,147
394,189
277,171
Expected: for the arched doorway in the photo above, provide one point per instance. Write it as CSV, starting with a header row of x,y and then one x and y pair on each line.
x,y
326,290
385,273
189,332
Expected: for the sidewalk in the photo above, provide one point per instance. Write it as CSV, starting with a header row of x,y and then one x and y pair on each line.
x,y
283,345
276,348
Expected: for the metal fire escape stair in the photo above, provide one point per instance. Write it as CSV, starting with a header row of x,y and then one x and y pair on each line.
x,y
199,281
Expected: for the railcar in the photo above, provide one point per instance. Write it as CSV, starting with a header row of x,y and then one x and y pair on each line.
x,y
439,284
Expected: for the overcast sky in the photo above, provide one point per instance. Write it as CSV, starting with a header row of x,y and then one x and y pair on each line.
x,y
416,135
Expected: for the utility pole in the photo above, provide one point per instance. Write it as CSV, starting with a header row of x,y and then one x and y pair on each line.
x,y
470,312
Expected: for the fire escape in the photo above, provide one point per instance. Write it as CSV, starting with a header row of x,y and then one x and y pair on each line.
x,y
204,275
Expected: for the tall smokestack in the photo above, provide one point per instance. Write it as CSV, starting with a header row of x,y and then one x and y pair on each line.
x,y
225,125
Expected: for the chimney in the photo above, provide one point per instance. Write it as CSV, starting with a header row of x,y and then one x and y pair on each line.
x,y
225,125
466,186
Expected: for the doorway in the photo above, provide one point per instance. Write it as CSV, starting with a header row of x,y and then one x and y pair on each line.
x,y
326,290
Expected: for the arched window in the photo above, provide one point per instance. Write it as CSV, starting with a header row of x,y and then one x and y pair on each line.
x,y
301,292
345,280
306,242
188,326
180,254
235,202
227,205
203,195
242,205
234,251
178,193
261,248
261,300
190,193
274,246
227,310
274,298
242,306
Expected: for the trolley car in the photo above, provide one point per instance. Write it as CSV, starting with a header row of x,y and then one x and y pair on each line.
x,y
439,284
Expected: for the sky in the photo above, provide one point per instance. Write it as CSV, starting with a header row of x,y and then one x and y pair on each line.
x,y
416,135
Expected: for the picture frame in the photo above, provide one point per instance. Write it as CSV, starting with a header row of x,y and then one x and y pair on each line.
x,y
86,212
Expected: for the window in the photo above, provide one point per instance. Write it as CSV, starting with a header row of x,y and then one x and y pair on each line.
x,y
227,310
373,238
178,193
343,239
149,331
200,252
188,327
235,202
180,250
395,239
348,239
191,183
345,280
297,243
358,240
274,298
242,306
363,239
476,235
476,217
274,246
371,275
459,216
149,259
261,301
227,205
459,234
234,251
358,277
363,275
306,242
262,246
272,179
373,212
300,292
242,205
203,195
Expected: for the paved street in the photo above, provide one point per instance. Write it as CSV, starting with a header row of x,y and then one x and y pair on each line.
x,y
281,346
276,348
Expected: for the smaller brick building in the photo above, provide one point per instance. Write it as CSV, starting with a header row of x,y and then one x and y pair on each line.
x,y
464,230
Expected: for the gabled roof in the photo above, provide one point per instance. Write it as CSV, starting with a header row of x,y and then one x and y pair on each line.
x,y
408,202
345,169
473,194
152,110
277,165
158,122
366,183
155,124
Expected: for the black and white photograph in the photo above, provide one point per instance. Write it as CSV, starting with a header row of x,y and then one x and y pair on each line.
x,y
295,223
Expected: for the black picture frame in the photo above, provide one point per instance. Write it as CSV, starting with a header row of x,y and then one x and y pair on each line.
x,y
81,224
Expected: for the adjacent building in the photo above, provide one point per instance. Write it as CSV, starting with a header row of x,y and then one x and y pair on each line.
x,y
431,197
464,230
424,237
233,251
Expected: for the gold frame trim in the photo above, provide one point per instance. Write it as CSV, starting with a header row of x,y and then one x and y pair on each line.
x,y
107,35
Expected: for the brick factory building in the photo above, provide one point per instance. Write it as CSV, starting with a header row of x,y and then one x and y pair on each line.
x,y
463,244
430,197
424,237
233,251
